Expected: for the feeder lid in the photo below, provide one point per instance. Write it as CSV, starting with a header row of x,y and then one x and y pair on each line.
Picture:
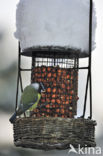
x,y
55,26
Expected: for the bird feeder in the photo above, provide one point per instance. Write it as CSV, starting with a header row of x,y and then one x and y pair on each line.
x,y
56,34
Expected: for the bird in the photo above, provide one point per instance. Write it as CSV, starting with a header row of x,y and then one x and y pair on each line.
x,y
29,99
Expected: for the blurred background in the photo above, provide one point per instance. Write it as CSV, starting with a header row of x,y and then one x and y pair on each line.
x,y
8,78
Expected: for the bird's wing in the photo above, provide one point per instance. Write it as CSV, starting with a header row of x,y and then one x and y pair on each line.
x,y
29,95
28,98
23,108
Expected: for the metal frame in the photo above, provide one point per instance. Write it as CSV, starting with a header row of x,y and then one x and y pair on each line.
x,y
89,75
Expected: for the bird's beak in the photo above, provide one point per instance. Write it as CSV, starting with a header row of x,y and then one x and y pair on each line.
x,y
42,87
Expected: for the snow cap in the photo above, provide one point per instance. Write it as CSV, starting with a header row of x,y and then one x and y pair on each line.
x,y
63,23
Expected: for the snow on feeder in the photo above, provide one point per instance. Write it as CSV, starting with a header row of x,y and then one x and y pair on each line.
x,y
56,34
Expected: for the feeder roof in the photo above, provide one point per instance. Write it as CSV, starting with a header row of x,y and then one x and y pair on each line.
x,y
55,25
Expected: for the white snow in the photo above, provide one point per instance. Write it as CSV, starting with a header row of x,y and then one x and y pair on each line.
x,y
54,23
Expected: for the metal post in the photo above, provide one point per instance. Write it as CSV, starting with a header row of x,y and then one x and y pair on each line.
x,y
33,65
20,68
85,100
17,91
89,76
54,60
90,55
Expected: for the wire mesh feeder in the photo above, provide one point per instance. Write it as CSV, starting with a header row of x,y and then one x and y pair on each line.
x,y
61,83
54,126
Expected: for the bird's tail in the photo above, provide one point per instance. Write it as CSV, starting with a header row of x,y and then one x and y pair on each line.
x,y
13,117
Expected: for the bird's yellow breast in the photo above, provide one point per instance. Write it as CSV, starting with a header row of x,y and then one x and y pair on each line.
x,y
36,103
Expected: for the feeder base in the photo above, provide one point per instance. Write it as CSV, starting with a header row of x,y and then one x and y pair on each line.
x,y
54,133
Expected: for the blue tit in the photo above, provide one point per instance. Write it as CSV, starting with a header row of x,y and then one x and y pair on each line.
x,y
29,99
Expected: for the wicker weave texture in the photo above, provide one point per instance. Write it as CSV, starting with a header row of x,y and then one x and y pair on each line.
x,y
54,133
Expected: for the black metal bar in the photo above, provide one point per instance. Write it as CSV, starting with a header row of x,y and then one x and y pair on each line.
x,y
21,83
54,60
89,76
33,66
17,90
85,100
47,61
81,68
90,54
20,68
25,69
74,63
90,82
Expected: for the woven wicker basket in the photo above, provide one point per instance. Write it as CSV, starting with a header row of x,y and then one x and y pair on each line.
x,y
54,133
